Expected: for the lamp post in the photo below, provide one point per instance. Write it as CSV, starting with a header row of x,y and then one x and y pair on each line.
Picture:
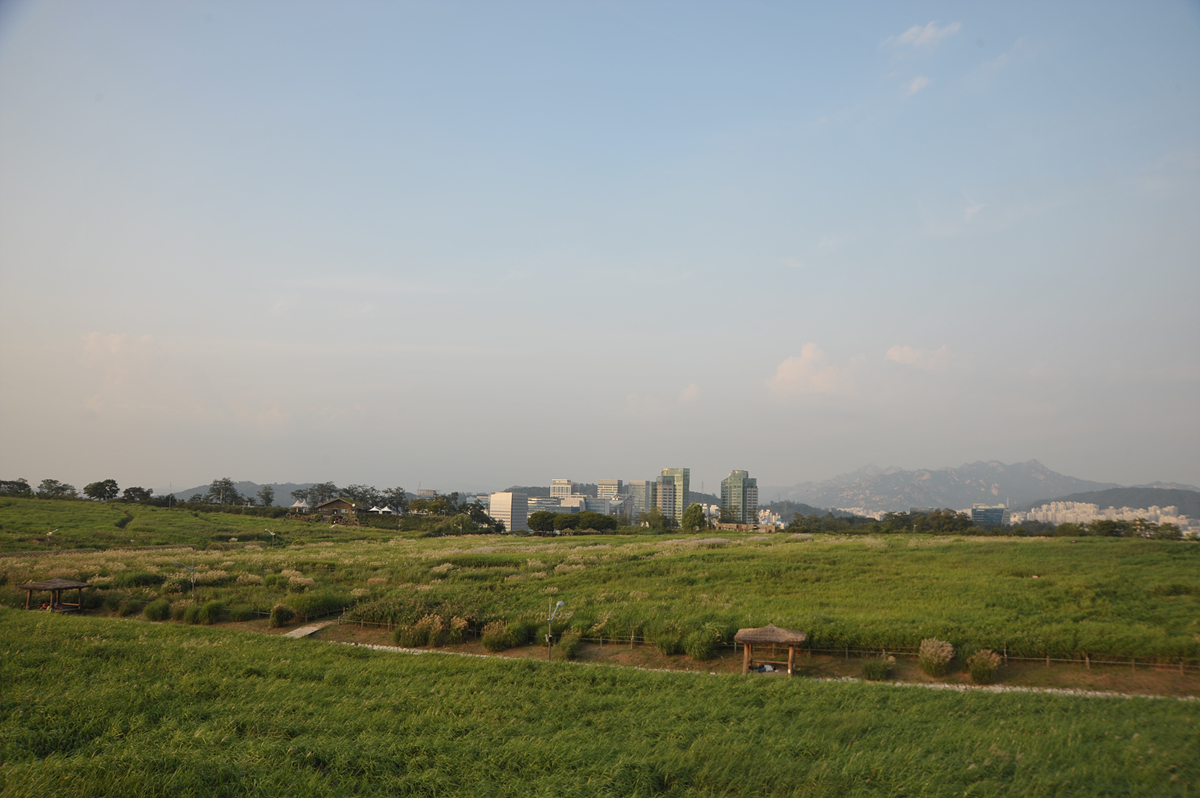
x,y
550,628
191,569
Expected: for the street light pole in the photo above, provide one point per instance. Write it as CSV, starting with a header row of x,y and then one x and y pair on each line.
x,y
550,629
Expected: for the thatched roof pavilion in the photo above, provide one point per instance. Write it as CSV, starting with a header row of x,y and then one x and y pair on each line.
x,y
769,635
55,587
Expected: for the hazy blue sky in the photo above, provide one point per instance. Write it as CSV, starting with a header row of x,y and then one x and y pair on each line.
x,y
478,244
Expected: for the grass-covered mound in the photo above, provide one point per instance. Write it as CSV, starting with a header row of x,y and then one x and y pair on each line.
x,y
92,707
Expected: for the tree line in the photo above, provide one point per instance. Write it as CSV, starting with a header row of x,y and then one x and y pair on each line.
x,y
949,522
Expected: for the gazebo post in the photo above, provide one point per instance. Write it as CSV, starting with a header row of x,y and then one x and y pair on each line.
x,y
791,659
28,597
746,657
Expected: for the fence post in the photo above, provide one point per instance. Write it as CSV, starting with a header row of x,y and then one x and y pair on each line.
x,y
1087,660
1006,655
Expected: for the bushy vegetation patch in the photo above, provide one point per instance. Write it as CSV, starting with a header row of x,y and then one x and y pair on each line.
x,y
318,602
569,645
876,669
159,610
240,613
139,579
131,606
210,612
428,631
498,637
282,615
934,656
219,712
668,641
982,665
701,645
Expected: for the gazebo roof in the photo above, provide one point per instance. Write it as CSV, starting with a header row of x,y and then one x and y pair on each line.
x,y
770,634
57,583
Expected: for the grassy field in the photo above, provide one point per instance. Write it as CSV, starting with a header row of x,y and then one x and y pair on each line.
x,y
25,525
94,707
1110,598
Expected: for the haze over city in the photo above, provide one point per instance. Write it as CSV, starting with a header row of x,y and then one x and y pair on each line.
x,y
473,246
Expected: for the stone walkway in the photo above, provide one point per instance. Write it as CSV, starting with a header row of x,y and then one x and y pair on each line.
x,y
305,631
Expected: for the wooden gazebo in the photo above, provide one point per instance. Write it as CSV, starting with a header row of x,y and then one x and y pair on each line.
x,y
769,635
56,586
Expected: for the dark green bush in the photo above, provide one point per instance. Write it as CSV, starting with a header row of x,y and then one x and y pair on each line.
x,y
498,637
568,646
983,665
191,614
524,632
133,606
240,613
318,602
139,579
113,601
275,580
211,612
157,610
91,600
178,611
701,645
669,642
282,615
876,669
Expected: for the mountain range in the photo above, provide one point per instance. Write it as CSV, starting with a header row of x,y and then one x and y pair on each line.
x,y
873,489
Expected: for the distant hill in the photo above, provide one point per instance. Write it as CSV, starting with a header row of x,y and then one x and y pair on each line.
x,y
1188,501
283,490
788,510
896,490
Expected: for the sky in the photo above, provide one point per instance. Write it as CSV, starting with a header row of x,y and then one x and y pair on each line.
x,y
471,245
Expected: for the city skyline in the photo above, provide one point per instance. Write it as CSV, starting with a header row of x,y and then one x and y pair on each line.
x,y
393,243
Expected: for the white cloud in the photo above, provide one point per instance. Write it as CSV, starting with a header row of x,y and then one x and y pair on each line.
x,y
929,360
689,394
926,36
916,84
810,372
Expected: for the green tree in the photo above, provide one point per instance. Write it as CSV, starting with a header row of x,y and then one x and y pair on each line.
x,y
396,498
693,519
1168,532
266,495
654,519
541,521
222,491
15,487
137,495
53,489
104,491
365,496
323,492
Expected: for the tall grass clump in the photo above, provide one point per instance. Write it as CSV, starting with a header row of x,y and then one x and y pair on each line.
x,y
282,615
568,645
159,610
876,669
669,642
240,613
457,630
498,637
701,645
427,631
983,665
131,606
934,656
210,612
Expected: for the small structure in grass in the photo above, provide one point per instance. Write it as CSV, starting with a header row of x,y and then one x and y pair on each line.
x,y
55,587
769,635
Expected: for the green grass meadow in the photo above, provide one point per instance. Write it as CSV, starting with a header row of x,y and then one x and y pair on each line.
x,y
1111,598
96,707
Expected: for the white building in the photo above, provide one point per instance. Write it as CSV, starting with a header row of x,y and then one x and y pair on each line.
x,y
561,488
512,509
